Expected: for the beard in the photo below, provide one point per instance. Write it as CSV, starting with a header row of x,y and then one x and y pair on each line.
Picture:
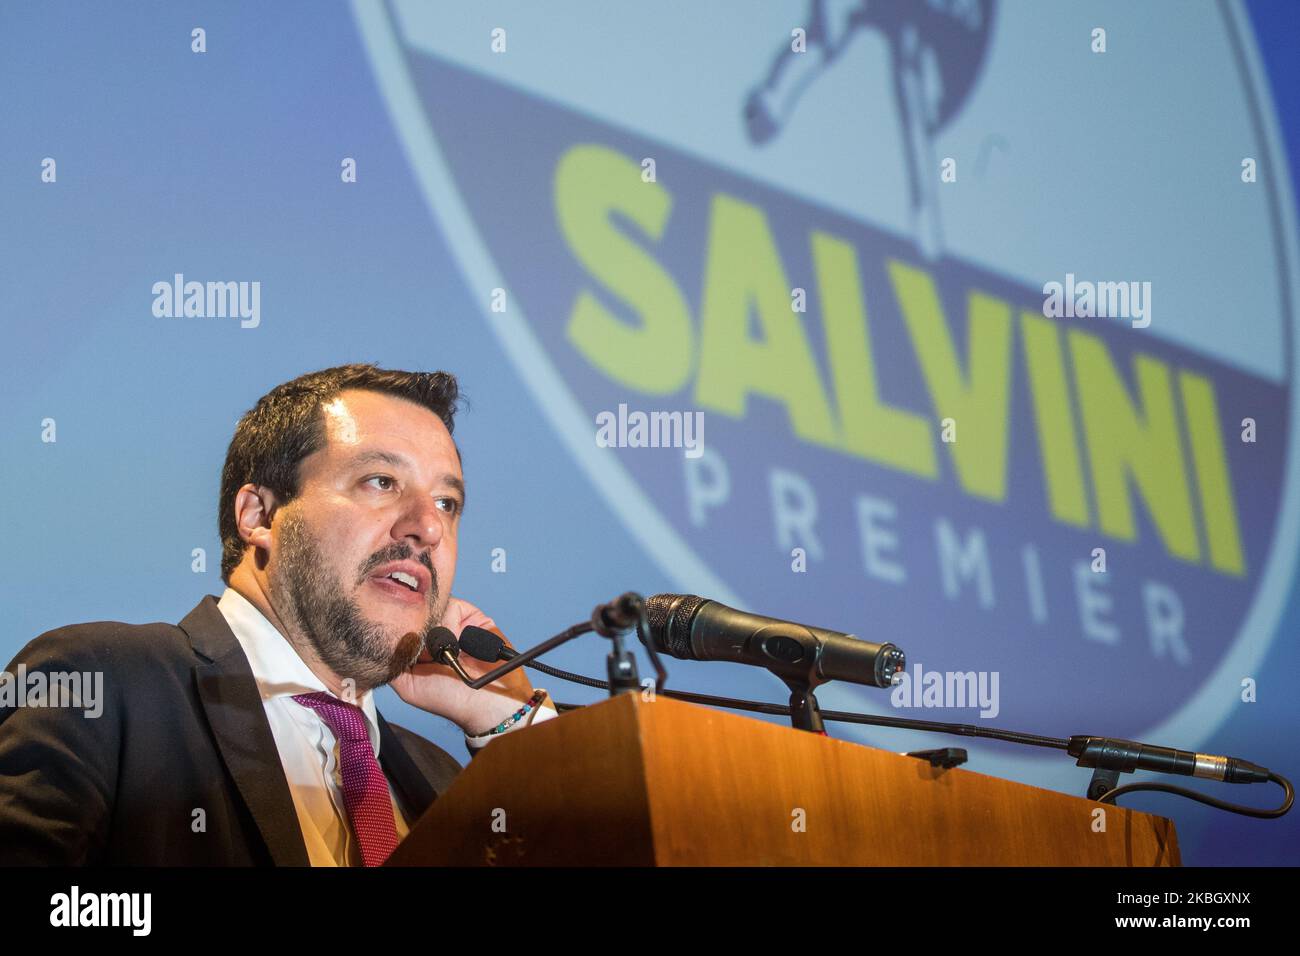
x,y
309,598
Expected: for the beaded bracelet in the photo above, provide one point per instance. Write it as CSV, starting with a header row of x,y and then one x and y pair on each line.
x,y
518,715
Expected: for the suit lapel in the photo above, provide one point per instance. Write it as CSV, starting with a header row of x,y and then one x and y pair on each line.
x,y
238,720
414,789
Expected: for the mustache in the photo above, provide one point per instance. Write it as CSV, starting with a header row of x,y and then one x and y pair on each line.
x,y
403,553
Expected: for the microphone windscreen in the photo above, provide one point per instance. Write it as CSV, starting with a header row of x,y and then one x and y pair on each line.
x,y
481,644
669,617
438,640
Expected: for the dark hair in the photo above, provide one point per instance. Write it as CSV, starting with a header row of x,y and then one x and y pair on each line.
x,y
287,424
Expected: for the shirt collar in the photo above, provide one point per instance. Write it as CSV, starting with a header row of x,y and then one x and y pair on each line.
x,y
276,666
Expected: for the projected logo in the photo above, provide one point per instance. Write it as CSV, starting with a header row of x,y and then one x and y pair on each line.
x,y
832,229
935,51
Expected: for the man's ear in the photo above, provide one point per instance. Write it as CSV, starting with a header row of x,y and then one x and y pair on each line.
x,y
255,506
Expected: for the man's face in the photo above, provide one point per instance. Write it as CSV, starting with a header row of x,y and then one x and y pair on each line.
x,y
384,495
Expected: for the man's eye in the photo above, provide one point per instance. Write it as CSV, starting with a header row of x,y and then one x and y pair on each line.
x,y
386,478
450,505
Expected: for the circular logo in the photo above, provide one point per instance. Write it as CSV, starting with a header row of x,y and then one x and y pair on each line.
x,y
961,326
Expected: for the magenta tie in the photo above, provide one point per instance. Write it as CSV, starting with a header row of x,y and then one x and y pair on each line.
x,y
365,788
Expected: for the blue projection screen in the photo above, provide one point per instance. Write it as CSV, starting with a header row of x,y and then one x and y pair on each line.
x,y
969,326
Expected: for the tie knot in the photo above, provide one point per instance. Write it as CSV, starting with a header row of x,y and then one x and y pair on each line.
x,y
346,720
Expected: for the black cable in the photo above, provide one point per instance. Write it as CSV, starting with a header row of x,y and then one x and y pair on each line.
x,y
566,675
782,710
1110,795
964,730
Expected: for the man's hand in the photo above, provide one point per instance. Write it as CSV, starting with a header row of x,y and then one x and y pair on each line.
x,y
437,689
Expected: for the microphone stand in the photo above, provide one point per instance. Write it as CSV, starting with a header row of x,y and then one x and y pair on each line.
x,y
611,620
804,712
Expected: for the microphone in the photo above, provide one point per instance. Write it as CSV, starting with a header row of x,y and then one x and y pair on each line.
x,y
693,628
1110,753
481,644
442,647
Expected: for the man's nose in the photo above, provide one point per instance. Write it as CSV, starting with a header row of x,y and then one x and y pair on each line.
x,y
420,521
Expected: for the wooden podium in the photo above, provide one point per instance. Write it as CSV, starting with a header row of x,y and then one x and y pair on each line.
x,y
634,783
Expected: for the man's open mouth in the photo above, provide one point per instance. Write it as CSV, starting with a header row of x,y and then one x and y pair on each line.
x,y
398,590
401,577
406,583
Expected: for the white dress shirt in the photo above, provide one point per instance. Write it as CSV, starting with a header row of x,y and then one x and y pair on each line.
x,y
308,750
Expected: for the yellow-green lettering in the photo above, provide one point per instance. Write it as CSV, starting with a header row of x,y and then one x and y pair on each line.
x,y
977,399
744,274
591,182
1057,437
1218,507
1123,439
870,428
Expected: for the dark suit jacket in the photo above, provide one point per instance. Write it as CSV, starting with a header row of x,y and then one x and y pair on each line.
x,y
182,729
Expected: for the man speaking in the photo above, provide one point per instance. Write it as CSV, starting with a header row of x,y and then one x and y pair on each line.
x,y
248,733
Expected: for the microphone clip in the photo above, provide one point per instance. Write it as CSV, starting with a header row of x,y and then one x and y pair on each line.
x,y
618,616
613,620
